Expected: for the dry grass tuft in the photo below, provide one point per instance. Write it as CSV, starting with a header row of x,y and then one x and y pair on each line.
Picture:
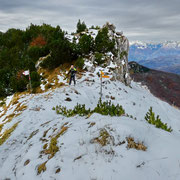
x,y
53,148
33,134
7,133
45,146
91,124
48,86
134,145
9,117
20,107
103,139
41,168
1,126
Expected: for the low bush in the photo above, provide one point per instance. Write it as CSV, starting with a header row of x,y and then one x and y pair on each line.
x,y
151,119
104,108
78,109
107,108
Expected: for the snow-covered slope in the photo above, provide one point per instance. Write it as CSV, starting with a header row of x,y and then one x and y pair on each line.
x,y
78,156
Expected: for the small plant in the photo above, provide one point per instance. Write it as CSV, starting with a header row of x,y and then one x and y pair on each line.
x,y
151,119
78,109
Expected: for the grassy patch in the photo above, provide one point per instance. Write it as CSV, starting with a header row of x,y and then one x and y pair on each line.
x,y
7,133
134,145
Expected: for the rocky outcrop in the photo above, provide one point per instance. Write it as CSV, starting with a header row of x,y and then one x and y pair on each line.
x,y
121,72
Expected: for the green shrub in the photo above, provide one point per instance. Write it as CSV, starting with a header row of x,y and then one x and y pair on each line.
x,y
151,119
19,85
79,63
86,44
99,58
35,79
78,109
105,108
103,43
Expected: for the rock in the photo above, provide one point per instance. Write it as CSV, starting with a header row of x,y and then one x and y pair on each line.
x,y
58,170
68,99
26,162
112,97
121,72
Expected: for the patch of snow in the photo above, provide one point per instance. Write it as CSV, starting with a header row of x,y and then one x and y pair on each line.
x,y
61,79
42,86
8,100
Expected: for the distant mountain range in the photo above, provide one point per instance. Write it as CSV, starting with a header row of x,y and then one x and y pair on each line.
x,y
160,56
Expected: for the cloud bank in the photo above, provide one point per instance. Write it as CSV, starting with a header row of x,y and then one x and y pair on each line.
x,y
138,19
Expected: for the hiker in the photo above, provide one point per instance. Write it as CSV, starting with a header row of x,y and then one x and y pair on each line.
x,y
72,71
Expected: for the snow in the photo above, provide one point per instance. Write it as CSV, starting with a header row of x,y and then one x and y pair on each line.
x,y
42,87
61,79
8,100
160,161
112,65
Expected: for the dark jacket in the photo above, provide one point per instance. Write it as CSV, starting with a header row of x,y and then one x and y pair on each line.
x,y
72,71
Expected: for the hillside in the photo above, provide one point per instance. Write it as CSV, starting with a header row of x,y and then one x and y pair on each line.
x,y
46,145
163,85
168,64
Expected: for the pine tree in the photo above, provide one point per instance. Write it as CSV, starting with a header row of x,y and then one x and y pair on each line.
x,y
81,26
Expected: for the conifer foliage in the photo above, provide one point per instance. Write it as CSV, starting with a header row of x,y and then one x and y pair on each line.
x,y
151,119
104,108
81,26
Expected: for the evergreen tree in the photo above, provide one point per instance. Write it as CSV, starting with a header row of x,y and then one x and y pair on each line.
x,y
102,42
81,26
86,44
